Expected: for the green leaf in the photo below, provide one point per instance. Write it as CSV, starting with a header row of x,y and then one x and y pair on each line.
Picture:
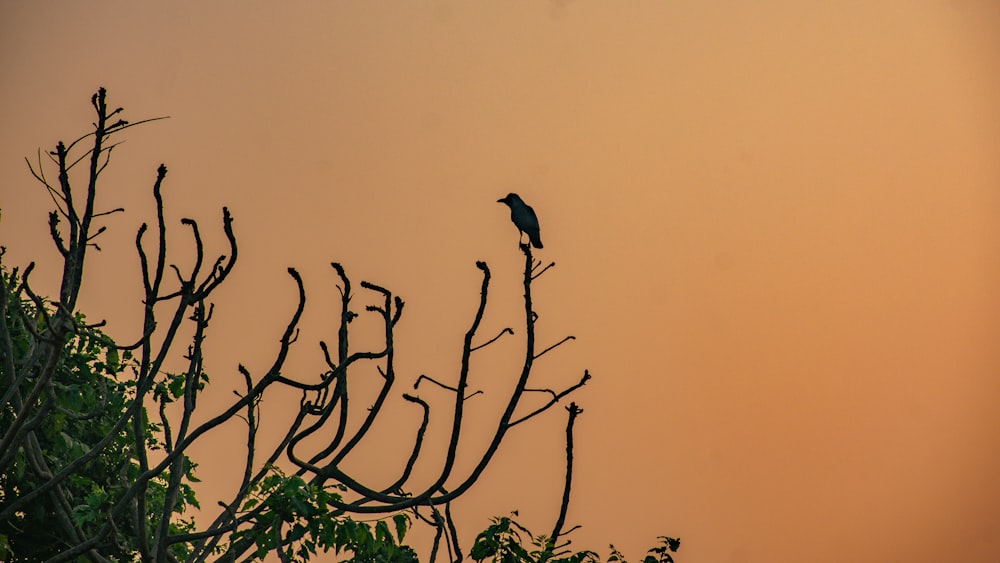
x,y
401,521
114,363
176,386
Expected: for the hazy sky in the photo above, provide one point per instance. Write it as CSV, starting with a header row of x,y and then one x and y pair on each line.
x,y
775,226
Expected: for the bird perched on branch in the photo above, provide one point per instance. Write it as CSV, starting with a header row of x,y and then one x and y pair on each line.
x,y
524,218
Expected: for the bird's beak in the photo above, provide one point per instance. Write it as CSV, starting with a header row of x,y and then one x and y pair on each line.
x,y
501,201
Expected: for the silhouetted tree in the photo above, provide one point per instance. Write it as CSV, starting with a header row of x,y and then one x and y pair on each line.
x,y
87,472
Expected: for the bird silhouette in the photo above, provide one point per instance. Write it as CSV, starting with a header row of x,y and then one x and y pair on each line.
x,y
524,218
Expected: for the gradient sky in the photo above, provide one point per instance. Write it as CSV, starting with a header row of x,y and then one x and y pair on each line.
x,y
775,226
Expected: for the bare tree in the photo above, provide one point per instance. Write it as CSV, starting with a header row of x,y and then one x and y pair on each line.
x,y
292,514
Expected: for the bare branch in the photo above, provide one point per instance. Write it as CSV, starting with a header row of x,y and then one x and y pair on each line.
x,y
507,330
56,237
416,384
542,353
573,411
583,381
115,210
535,275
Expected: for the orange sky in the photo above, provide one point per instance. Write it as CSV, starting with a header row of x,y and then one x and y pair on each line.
x,y
775,228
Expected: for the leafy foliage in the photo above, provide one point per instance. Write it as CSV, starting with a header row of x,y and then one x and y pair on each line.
x,y
504,542
507,541
87,397
657,554
294,516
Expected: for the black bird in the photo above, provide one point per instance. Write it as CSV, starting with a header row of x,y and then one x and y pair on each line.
x,y
524,218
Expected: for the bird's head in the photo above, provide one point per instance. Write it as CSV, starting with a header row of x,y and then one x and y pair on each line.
x,y
509,199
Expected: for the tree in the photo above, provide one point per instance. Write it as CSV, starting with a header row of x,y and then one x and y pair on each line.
x,y
86,472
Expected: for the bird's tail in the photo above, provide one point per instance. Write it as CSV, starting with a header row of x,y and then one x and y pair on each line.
x,y
536,240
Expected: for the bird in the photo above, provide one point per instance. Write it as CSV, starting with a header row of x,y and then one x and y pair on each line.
x,y
524,218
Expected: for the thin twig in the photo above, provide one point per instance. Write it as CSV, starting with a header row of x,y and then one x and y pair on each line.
x,y
507,330
542,353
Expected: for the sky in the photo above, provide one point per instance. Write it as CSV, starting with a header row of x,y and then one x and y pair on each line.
x,y
774,226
